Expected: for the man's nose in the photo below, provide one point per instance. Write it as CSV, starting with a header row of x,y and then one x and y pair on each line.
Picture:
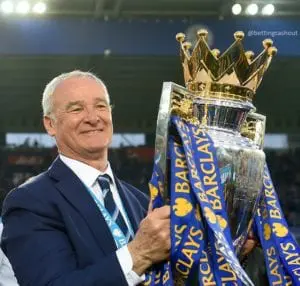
x,y
92,116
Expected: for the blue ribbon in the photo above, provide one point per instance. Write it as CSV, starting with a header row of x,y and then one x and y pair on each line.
x,y
207,166
201,242
161,274
187,231
274,268
281,251
220,245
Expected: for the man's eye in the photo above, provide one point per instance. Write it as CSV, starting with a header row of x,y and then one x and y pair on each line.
x,y
76,109
101,106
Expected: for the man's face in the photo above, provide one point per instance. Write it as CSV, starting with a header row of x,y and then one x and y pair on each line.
x,y
82,122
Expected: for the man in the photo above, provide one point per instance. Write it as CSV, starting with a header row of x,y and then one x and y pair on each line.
x,y
58,227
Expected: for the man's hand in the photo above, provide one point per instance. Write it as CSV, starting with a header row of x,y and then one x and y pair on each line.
x,y
152,241
250,244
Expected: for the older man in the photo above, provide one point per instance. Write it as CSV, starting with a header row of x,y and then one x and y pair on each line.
x,y
77,223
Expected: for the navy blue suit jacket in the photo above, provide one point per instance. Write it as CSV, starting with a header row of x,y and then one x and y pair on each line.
x,y
54,234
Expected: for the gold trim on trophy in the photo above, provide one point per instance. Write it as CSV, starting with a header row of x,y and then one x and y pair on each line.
x,y
183,106
254,128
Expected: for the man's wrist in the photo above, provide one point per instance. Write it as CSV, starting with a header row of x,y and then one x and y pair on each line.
x,y
126,263
140,262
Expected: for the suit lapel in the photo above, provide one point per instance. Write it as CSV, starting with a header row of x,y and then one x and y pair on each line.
x,y
77,195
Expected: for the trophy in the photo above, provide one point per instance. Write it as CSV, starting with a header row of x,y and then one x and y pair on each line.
x,y
217,97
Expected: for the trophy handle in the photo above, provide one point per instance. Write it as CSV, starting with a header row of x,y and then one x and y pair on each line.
x,y
171,93
254,128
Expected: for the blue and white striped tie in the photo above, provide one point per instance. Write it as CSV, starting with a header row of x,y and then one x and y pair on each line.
x,y
110,205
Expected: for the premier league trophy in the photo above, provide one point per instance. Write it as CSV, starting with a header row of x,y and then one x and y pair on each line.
x,y
210,167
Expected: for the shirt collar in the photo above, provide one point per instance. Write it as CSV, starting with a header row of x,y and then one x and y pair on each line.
x,y
87,174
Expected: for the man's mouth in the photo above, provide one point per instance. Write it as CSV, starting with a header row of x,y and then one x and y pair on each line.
x,y
94,131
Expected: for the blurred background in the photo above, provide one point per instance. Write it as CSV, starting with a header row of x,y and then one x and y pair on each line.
x,y
131,45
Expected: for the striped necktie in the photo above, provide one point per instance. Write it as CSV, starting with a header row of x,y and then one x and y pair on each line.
x,y
110,205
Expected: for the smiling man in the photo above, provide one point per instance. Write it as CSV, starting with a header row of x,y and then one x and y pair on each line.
x,y
77,223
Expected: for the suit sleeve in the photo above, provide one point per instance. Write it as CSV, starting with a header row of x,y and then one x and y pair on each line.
x,y
40,251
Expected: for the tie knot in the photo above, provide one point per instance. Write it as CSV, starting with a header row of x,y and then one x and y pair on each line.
x,y
104,181
104,178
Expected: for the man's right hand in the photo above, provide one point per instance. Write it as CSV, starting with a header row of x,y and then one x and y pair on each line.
x,y
152,242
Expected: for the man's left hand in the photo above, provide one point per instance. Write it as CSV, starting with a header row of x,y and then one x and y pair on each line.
x,y
250,244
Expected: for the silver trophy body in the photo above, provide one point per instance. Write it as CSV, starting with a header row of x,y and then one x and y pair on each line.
x,y
240,159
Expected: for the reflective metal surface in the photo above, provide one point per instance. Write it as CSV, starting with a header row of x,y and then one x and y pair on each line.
x,y
241,166
254,128
240,160
221,114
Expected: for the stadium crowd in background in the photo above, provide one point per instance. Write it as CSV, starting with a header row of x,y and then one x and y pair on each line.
x,y
284,167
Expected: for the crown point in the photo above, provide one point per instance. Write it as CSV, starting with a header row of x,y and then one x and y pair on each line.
x,y
272,51
187,45
267,43
202,33
249,55
239,35
216,52
180,37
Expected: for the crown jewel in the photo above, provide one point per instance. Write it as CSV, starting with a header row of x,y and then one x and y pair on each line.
x,y
235,74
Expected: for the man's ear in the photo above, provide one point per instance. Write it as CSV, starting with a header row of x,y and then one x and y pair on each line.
x,y
49,125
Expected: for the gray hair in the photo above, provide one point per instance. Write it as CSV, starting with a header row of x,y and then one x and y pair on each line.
x,y
47,102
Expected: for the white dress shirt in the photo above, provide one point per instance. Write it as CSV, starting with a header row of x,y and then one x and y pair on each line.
x,y
88,175
7,276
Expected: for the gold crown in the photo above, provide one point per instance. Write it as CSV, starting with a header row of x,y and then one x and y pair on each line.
x,y
234,75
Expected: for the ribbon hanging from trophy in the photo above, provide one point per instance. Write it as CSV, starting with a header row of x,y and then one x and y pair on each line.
x,y
201,162
281,251
200,236
188,237
161,274
275,271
